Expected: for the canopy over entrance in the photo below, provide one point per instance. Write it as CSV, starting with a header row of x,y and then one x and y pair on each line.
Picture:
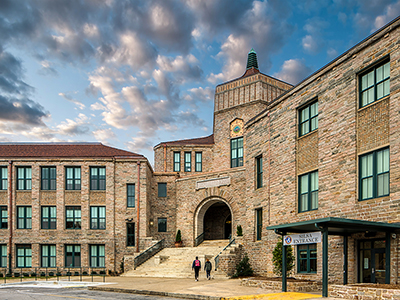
x,y
335,226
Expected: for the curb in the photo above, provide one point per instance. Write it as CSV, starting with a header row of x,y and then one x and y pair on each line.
x,y
154,293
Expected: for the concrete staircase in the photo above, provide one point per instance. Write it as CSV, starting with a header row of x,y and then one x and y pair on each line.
x,y
177,262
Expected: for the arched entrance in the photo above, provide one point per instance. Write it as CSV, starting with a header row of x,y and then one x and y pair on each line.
x,y
214,219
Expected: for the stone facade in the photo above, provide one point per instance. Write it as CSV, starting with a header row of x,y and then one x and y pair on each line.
x,y
271,132
119,173
248,173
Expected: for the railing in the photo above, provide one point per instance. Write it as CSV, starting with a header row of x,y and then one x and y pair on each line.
x,y
38,273
199,240
149,252
216,259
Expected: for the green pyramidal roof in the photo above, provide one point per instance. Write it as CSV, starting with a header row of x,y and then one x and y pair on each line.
x,y
252,60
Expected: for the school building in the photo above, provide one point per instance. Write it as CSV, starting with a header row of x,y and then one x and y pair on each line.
x,y
321,156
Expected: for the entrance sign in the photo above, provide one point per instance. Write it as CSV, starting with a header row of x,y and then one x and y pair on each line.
x,y
302,238
214,182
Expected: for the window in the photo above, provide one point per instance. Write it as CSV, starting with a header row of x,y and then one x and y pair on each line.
x,y
49,178
73,178
48,256
308,118
308,195
73,217
162,190
97,217
130,194
375,84
98,178
24,216
237,152
72,256
4,217
24,256
24,179
130,234
3,179
97,256
3,257
188,161
307,258
374,174
259,223
162,225
177,161
199,162
259,172
49,217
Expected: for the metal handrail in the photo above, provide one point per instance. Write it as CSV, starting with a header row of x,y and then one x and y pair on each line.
x,y
216,259
199,240
149,252
52,272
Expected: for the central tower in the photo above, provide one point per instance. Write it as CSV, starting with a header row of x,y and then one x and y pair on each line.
x,y
236,102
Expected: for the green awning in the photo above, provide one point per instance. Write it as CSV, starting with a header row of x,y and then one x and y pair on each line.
x,y
336,226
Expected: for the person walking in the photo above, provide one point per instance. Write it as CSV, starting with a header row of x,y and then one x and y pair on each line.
x,y
196,265
207,268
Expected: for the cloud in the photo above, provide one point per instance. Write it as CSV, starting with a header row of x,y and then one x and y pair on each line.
x,y
191,119
47,69
74,127
200,94
262,27
80,105
215,16
140,143
233,51
332,53
392,11
22,111
314,40
309,44
11,72
184,68
103,135
293,71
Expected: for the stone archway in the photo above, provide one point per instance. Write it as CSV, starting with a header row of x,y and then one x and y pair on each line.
x,y
214,219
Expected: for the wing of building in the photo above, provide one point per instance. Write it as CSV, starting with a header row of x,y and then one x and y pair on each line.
x,y
319,156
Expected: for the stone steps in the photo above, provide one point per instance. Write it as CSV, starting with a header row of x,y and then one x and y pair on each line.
x,y
177,262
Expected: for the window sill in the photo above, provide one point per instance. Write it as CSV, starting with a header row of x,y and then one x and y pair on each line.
x,y
307,273
373,103
305,211
307,134
385,197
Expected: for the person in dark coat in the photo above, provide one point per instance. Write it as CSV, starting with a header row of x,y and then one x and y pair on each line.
x,y
208,268
196,265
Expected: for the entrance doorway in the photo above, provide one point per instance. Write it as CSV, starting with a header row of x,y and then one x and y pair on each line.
x,y
217,222
372,256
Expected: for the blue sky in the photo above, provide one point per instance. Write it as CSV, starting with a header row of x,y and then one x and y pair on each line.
x,y
131,74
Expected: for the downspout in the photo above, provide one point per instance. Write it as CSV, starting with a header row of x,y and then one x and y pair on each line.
x,y
114,234
269,168
10,217
138,206
165,157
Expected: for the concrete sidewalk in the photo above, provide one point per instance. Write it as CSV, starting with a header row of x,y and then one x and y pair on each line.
x,y
189,289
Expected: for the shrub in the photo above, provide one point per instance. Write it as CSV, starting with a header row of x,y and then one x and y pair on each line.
x,y
277,258
239,230
243,268
178,238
